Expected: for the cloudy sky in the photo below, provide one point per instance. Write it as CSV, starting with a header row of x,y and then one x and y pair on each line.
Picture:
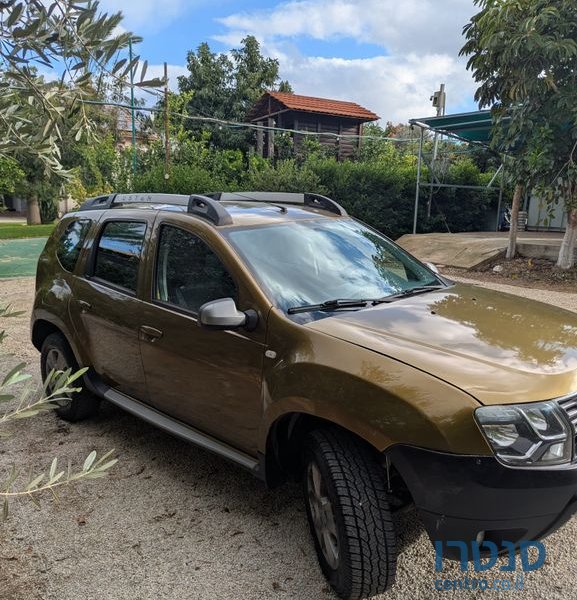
x,y
388,55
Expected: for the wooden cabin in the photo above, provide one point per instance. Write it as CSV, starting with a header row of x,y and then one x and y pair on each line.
x,y
336,119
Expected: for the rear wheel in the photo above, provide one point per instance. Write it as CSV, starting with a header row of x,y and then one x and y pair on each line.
x,y
56,355
348,512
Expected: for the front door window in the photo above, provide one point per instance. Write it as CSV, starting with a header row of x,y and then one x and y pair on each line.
x,y
188,272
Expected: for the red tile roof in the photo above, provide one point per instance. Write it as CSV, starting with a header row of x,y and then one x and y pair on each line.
x,y
322,105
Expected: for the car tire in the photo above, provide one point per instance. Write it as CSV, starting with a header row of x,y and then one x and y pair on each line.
x,y
57,354
344,480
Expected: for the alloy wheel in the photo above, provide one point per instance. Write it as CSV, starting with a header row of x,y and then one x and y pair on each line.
x,y
322,515
56,361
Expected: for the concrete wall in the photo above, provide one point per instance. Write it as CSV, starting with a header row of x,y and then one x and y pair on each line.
x,y
542,218
19,205
16,204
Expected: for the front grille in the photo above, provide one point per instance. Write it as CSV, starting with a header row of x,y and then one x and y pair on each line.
x,y
569,405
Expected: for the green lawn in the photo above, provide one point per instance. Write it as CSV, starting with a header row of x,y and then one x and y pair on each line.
x,y
13,231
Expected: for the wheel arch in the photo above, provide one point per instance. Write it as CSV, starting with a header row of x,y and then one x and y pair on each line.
x,y
285,439
41,330
44,324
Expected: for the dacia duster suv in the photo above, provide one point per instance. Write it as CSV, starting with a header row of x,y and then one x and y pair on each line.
x,y
284,335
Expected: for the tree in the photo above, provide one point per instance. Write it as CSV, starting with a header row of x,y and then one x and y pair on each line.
x,y
524,56
10,175
226,86
285,87
73,41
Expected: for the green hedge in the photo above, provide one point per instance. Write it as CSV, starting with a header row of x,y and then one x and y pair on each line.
x,y
379,191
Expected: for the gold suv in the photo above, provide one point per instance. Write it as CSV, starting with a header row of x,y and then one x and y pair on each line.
x,y
288,337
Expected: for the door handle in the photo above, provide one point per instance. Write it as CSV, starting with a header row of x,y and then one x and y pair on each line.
x,y
84,306
149,334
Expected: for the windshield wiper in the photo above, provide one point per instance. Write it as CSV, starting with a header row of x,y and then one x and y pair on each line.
x,y
360,303
410,292
329,305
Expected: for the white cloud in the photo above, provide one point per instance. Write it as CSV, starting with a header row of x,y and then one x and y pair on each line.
x,y
142,15
49,75
396,88
396,25
154,71
420,41
174,71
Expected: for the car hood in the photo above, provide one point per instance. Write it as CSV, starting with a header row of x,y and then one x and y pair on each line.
x,y
497,347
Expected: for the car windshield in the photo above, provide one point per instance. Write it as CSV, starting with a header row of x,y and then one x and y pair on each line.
x,y
310,262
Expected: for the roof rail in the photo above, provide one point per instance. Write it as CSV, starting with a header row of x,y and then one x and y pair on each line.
x,y
97,203
196,204
104,202
208,206
307,199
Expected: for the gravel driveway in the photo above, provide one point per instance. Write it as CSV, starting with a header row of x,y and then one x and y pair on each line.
x,y
175,522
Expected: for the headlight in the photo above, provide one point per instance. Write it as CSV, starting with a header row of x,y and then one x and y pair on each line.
x,y
535,434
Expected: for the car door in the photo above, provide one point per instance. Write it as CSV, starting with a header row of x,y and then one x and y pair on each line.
x,y
105,306
209,379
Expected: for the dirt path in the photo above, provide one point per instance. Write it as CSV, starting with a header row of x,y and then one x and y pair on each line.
x,y
174,522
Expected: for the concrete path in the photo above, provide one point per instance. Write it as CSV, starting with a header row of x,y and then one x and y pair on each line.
x,y
470,250
10,218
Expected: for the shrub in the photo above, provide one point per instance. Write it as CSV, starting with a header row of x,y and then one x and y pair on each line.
x,y
378,189
184,179
285,176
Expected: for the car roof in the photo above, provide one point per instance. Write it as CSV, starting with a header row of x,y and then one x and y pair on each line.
x,y
226,209
251,213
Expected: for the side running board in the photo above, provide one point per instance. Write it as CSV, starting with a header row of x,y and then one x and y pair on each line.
x,y
172,426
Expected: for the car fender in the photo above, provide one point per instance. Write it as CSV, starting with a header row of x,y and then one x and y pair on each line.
x,y
383,400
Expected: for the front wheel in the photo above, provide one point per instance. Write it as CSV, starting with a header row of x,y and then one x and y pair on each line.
x,y
348,513
56,355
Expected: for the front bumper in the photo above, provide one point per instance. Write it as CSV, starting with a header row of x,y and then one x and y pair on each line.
x,y
458,497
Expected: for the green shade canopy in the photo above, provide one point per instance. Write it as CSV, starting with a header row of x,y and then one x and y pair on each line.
x,y
471,126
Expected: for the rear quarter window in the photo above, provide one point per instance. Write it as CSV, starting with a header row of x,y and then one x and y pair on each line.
x,y
118,253
70,243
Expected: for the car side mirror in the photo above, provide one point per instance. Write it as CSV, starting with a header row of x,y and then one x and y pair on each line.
x,y
432,267
223,314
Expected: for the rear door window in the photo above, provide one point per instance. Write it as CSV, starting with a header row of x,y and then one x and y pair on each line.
x,y
70,243
119,252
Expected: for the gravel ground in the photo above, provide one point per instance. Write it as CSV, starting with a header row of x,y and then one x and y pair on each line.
x,y
172,521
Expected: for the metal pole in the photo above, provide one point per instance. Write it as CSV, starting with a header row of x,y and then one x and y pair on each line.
x,y
419,161
500,203
495,176
132,110
440,112
166,140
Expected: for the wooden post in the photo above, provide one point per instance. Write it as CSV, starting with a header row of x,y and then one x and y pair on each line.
x,y
296,137
270,138
259,139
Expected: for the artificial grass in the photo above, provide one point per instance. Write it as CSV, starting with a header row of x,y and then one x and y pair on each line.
x,y
18,258
14,231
